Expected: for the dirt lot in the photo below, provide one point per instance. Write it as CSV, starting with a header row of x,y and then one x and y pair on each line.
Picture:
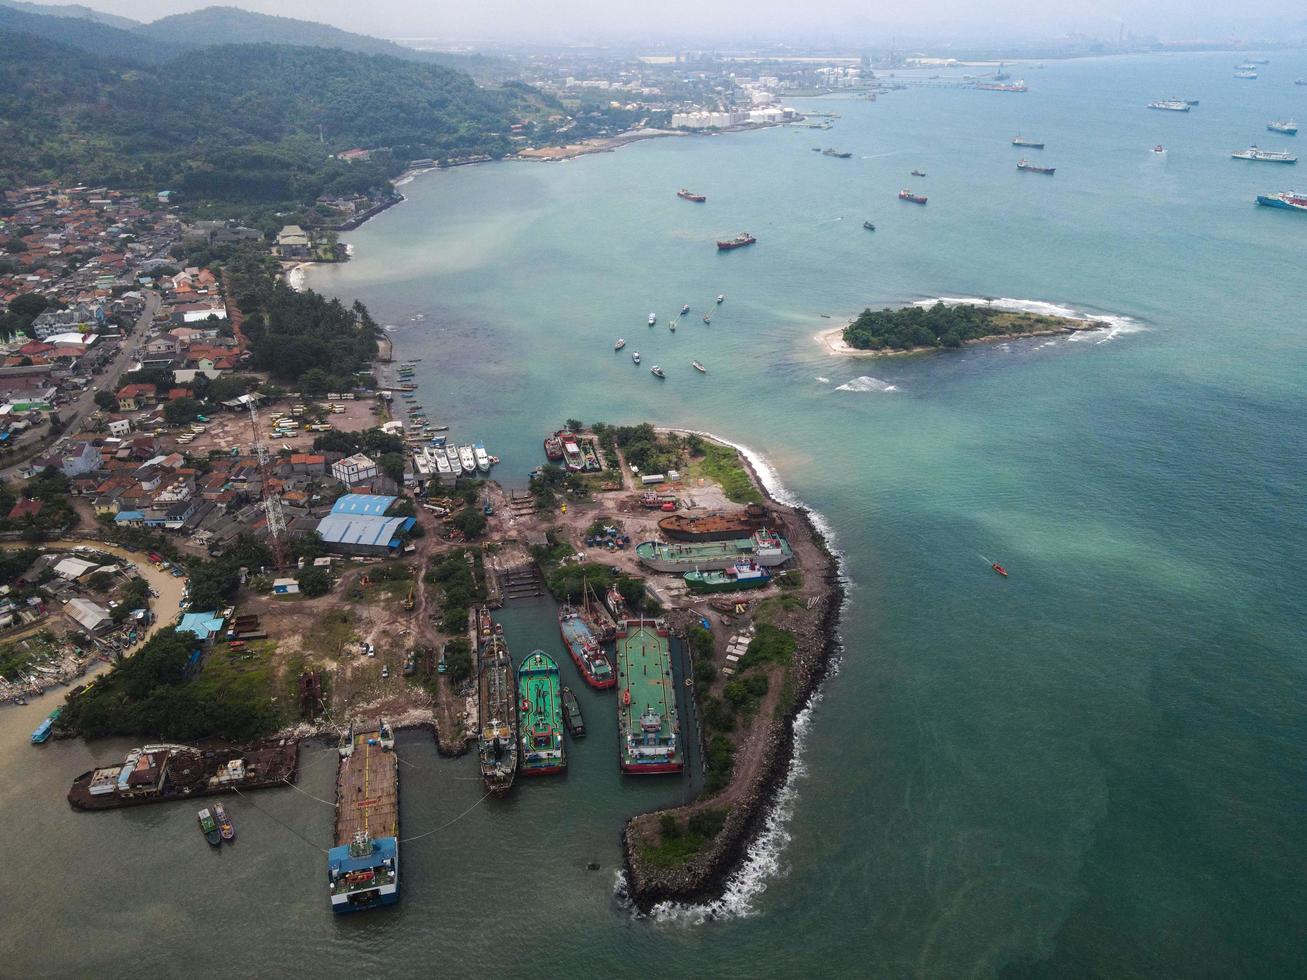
x,y
232,430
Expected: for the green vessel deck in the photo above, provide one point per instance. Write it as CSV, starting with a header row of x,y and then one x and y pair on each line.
x,y
648,727
767,549
540,716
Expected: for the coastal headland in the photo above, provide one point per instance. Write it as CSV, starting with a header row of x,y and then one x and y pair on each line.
x,y
789,635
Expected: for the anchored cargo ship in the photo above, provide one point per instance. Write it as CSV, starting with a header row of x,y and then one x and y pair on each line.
x,y
584,649
541,720
1029,167
1264,156
744,573
648,726
763,546
1289,200
1287,127
1030,144
690,196
739,241
497,717
907,195
363,867
714,527
1170,105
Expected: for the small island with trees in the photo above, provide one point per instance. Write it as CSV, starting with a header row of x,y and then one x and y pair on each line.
x,y
918,329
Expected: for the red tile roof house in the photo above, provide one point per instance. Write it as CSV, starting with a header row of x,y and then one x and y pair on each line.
x,y
27,507
132,397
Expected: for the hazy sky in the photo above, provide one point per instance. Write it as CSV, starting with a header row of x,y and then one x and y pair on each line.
x,y
713,20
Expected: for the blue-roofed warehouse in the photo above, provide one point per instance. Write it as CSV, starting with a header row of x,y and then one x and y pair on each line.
x,y
366,504
363,534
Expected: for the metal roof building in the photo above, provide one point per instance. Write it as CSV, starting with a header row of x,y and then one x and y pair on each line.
x,y
88,615
363,534
203,625
368,504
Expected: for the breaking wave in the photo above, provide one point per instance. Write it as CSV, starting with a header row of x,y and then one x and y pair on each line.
x,y
867,383
822,381
1116,324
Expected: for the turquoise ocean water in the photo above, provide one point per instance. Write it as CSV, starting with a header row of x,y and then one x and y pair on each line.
x,y
1093,768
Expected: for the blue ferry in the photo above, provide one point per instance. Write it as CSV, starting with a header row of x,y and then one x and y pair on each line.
x,y
1289,200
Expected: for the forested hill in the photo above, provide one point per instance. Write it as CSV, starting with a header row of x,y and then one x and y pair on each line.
x,y
166,38
71,10
241,124
89,35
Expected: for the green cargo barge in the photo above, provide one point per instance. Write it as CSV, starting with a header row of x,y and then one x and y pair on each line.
x,y
648,726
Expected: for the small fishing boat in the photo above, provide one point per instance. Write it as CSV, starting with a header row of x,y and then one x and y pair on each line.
x,y
699,367
225,827
918,173
999,568
721,298
43,730
653,318
621,342
209,827
572,713
1159,149
671,325
707,318
869,226
635,357
657,372
685,309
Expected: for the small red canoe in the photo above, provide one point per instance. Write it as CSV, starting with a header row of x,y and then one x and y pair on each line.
x,y
999,568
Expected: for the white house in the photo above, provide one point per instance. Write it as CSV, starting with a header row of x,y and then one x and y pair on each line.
x,y
353,470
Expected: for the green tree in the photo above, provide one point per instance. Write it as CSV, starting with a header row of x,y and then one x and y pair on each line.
x,y
106,400
470,521
392,465
181,410
313,581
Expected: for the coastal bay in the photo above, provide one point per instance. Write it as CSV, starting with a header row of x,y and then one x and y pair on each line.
x,y
1093,747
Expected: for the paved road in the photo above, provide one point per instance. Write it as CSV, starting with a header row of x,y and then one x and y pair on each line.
x,y
74,413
